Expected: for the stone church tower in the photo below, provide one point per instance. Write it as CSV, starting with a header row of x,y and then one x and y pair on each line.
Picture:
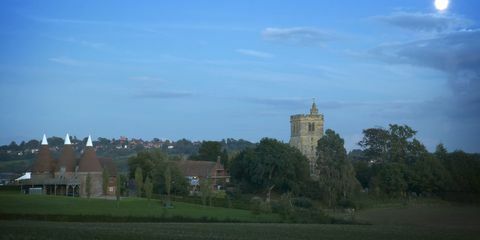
x,y
306,130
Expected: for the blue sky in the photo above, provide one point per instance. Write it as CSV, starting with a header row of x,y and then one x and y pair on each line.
x,y
207,70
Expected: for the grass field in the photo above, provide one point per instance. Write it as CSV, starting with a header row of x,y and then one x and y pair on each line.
x,y
18,204
117,231
439,220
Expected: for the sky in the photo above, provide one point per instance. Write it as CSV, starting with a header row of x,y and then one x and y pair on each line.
x,y
208,70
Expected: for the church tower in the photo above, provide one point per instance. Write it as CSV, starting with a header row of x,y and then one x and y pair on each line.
x,y
306,130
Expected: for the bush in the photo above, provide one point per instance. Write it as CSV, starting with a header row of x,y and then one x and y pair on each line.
x,y
259,206
302,202
346,203
302,215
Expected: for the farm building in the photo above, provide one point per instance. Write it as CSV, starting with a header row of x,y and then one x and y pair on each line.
x,y
69,175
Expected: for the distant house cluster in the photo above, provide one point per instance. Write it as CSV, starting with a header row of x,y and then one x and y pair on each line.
x,y
69,175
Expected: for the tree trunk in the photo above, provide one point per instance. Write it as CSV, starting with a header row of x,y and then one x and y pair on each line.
x,y
269,193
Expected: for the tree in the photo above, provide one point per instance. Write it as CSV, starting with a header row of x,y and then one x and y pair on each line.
x,y
271,165
118,189
105,180
154,163
336,174
391,180
168,183
139,181
392,145
148,187
208,151
205,190
88,185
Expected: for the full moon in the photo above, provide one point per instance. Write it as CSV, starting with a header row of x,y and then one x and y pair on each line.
x,y
441,5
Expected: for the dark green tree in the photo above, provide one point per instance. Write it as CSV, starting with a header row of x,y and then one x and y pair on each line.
x,y
118,189
208,151
139,181
336,174
271,165
148,187
168,183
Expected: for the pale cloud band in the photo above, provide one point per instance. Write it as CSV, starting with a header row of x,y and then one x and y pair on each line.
x,y
298,35
254,53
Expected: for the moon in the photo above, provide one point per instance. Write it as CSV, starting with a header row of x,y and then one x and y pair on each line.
x,y
441,5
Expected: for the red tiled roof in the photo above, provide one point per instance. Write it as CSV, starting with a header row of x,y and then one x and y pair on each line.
x,y
198,168
67,159
44,162
89,161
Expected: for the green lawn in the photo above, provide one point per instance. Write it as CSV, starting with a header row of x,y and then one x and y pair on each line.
x,y
14,203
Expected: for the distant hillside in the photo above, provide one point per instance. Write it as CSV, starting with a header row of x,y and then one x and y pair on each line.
x,y
19,157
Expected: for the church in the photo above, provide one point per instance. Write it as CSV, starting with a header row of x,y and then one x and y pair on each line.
x,y
306,130
69,175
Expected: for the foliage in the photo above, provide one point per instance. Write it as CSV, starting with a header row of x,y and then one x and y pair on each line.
x,y
208,151
105,180
118,189
154,163
336,174
139,181
148,187
206,191
271,165
397,163
168,183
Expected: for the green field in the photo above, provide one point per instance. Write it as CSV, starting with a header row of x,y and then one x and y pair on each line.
x,y
134,208
439,220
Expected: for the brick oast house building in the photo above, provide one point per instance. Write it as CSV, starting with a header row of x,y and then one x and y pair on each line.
x,y
67,175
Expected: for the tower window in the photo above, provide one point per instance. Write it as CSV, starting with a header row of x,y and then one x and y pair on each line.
x,y
311,127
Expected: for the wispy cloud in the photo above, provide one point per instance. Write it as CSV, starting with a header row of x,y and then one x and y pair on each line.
x,y
162,94
288,103
85,43
150,79
298,35
428,22
150,27
254,53
66,61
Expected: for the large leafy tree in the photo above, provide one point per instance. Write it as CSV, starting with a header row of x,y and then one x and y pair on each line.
x,y
208,151
271,166
400,163
336,174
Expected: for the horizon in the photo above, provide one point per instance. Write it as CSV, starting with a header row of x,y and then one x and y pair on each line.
x,y
216,70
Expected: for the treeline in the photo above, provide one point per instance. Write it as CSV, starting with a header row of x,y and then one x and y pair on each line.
x,y
394,163
273,176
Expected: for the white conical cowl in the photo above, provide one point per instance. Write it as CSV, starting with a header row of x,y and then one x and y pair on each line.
x,y
44,140
67,140
89,141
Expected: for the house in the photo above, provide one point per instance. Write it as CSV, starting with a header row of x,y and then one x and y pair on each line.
x,y
197,171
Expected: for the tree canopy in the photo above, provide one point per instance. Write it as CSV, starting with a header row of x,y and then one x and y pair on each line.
x,y
271,165
336,174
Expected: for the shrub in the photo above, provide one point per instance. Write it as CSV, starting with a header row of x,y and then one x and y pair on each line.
x,y
302,202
